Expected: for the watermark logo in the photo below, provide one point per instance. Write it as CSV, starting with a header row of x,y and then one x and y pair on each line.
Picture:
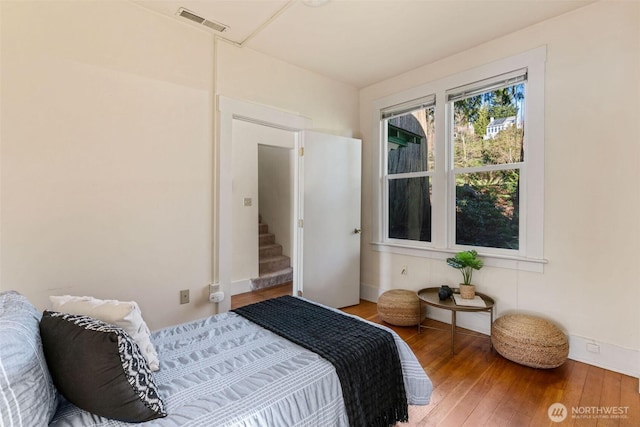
x,y
557,412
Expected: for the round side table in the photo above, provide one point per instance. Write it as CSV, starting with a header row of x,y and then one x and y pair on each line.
x,y
430,297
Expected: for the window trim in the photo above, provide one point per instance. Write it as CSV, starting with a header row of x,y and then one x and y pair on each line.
x,y
529,256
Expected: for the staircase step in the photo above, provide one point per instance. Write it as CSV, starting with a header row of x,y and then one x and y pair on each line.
x,y
268,251
272,279
263,228
276,263
266,239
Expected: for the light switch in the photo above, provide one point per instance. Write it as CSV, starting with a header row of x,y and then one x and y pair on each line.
x,y
184,296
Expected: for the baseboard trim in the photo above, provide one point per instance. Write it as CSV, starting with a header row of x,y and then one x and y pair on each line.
x,y
611,357
370,293
240,287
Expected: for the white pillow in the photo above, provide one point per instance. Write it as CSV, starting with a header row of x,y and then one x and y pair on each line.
x,y
125,314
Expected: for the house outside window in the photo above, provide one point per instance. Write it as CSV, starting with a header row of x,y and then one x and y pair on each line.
x,y
461,165
497,125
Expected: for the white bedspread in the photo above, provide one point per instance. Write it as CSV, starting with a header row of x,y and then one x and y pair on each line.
x,y
227,371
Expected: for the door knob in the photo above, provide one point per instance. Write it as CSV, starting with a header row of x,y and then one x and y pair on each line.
x,y
357,231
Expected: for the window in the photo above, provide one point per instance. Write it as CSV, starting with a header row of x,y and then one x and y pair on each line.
x,y
486,165
410,166
460,163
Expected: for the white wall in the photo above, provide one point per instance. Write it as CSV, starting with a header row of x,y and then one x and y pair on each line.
x,y
107,167
592,203
106,156
245,74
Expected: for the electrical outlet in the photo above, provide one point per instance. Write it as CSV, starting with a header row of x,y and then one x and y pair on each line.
x,y
247,201
405,270
214,288
593,347
184,296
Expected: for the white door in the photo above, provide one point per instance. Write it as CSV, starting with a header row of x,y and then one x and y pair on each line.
x,y
331,219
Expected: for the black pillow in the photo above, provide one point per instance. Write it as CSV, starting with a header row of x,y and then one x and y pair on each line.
x,y
99,368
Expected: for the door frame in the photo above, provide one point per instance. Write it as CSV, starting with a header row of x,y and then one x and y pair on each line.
x,y
227,110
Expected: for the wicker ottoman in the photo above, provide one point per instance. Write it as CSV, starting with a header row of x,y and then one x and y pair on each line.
x,y
400,307
530,341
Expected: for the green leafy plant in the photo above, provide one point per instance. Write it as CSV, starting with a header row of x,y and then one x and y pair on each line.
x,y
466,262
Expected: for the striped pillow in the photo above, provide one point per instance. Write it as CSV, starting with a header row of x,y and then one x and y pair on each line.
x,y
27,394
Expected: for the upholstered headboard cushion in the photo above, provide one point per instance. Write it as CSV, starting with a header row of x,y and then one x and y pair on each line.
x,y
26,388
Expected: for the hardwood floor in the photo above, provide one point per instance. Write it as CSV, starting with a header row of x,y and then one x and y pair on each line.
x,y
478,387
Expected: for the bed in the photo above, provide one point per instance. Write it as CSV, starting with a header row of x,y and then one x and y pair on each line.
x,y
223,370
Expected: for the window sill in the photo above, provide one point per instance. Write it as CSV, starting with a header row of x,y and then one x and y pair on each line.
x,y
533,265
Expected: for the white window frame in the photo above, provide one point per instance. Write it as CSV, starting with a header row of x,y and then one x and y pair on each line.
x,y
529,256
405,108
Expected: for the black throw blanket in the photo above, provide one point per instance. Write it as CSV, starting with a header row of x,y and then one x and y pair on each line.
x,y
365,357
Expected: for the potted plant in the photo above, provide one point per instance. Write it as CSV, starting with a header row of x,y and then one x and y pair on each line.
x,y
466,262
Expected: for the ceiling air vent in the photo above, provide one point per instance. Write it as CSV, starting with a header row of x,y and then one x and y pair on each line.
x,y
200,20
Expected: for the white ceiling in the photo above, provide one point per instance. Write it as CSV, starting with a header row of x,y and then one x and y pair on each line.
x,y
361,42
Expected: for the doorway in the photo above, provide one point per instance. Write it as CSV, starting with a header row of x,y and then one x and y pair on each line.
x,y
320,268
258,261
229,111
276,213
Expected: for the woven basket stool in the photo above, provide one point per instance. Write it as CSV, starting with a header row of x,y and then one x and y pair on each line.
x,y
400,307
530,341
